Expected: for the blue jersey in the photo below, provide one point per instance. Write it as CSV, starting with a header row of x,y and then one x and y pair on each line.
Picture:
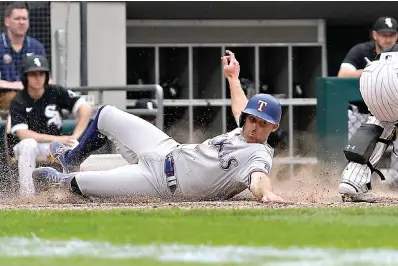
x,y
11,61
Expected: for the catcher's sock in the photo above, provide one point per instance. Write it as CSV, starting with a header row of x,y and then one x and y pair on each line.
x,y
91,141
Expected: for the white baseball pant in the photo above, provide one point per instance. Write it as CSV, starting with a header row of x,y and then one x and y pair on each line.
x,y
379,90
27,151
143,145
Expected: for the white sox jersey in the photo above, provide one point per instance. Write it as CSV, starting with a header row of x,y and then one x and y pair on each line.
x,y
220,168
379,87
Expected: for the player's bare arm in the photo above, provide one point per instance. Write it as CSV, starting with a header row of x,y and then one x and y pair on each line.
x,y
231,72
83,118
260,186
346,72
15,85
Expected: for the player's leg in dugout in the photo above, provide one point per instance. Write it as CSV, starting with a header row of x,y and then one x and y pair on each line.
x,y
357,176
131,135
27,151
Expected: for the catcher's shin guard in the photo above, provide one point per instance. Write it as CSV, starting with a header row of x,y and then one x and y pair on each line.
x,y
363,144
356,177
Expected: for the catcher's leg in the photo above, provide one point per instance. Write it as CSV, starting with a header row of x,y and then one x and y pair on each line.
x,y
393,170
363,152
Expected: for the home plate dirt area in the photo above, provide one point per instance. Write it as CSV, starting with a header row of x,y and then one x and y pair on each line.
x,y
310,187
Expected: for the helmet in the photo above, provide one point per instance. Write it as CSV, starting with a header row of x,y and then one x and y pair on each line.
x,y
263,106
34,63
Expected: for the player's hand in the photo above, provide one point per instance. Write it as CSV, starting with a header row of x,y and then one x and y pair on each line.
x,y
270,197
231,65
67,140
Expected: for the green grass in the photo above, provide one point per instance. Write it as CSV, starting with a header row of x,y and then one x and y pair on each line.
x,y
348,228
89,261
341,228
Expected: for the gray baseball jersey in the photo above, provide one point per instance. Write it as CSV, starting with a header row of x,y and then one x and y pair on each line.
x,y
218,168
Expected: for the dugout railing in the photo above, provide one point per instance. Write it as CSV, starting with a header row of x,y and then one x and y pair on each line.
x,y
159,111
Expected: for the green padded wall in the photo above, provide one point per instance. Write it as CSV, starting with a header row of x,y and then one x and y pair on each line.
x,y
333,96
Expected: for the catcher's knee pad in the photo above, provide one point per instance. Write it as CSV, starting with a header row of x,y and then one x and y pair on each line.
x,y
362,144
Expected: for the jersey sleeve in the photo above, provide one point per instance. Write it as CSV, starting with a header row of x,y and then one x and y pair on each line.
x,y
355,58
19,118
70,101
260,162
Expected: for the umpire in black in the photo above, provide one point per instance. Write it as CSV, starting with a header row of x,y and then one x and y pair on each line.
x,y
385,35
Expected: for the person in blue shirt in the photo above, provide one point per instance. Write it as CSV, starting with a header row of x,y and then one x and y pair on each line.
x,y
14,46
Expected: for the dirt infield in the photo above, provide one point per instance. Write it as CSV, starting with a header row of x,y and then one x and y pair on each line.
x,y
314,186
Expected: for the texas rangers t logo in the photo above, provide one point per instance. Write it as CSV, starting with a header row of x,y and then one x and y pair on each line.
x,y
261,105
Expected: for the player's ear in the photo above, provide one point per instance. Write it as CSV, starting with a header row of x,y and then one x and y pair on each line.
x,y
7,22
275,127
374,35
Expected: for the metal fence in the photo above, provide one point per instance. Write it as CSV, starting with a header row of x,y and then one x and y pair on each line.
x,y
159,111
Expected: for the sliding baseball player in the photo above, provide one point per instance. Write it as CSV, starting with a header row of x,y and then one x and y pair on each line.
x,y
217,169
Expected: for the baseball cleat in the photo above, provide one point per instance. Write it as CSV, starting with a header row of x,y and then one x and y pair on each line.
x,y
45,177
350,194
58,152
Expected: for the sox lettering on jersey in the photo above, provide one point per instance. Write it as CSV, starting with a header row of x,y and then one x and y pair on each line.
x,y
261,105
52,113
225,164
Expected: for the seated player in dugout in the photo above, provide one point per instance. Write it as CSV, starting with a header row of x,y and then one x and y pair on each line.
x,y
15,44
36,118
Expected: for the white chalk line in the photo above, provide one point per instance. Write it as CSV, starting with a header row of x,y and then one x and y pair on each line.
x,y
270,256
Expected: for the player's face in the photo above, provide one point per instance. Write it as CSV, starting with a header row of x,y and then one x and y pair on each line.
x,y
18,22
257,130
36,80
385,40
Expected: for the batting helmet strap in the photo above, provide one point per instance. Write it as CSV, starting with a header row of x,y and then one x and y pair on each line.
x,y
263,106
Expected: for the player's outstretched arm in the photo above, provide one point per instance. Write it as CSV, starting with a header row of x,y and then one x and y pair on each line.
x,y
260,186
231,72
